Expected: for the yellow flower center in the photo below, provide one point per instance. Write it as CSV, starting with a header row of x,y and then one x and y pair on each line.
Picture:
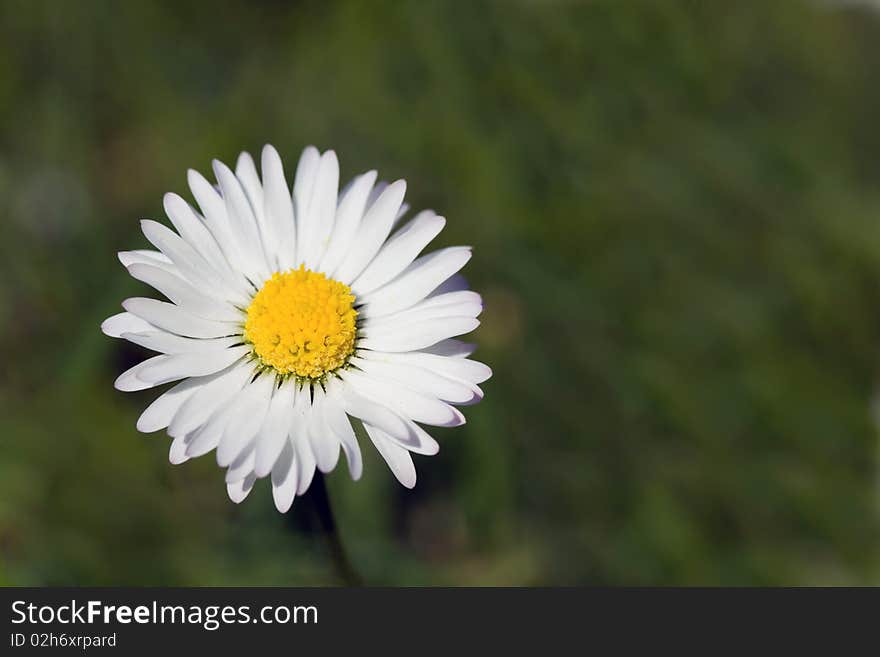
x,y
302,323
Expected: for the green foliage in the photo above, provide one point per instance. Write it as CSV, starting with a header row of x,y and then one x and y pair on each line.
x,y
677,233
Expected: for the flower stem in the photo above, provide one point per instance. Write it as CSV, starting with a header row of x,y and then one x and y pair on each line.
x,y
324,510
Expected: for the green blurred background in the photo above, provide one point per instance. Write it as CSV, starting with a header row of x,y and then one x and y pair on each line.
x,y
676,220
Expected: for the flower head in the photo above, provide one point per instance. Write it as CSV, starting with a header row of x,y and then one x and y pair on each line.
x,y
289,315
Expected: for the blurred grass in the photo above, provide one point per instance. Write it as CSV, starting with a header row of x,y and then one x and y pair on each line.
x,y
676,225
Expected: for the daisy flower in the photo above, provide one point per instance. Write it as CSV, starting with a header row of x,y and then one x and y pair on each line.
x,y
291,314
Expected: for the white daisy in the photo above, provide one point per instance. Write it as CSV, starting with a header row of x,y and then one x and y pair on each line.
x,y
289,314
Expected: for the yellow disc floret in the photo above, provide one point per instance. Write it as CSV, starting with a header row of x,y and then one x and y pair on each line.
x,y
302,323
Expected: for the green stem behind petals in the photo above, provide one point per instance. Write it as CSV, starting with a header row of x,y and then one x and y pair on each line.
x,y
324,511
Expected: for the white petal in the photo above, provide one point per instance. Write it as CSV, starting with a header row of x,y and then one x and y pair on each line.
x,y
243,223
315,224
145,256
192,266
352,203
420,442
458,298
405,401
462,369
455,283
184,295
171,367
451,348
243,465
338,423
284,478
213,396
177,451
401,213
419,379
247,175
305,464
239,490
159,414
207,437
245,421
399,252
478,395
324,444
169,343
453,304
373,231
303,186
175,319
216,219
194,231
416,282
303,183
376,192
275,429
246,172
116,325
465,376
300,419
359,404
397,458
417,335
278,207
129,381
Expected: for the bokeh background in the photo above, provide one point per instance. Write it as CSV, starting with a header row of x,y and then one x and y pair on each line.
x,y
676,219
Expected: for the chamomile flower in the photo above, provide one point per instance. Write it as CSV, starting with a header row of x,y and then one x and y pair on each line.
x,y
291,314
